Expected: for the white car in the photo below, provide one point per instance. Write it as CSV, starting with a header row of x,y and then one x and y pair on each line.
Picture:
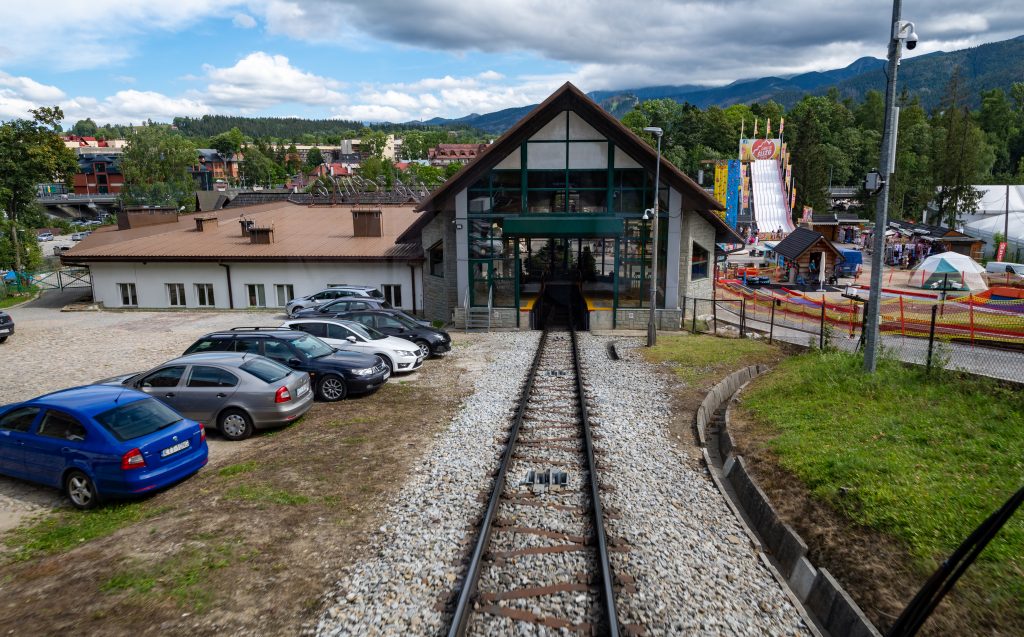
x,y
398,354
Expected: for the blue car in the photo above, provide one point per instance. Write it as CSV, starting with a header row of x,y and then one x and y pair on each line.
x,y
99,441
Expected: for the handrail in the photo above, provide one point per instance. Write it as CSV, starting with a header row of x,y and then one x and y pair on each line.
x,y
465,307
490,303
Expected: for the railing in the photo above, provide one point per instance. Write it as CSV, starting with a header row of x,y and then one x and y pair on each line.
x,y
490,303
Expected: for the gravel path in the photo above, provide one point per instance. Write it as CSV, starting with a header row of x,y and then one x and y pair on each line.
x,y
414,560
695,570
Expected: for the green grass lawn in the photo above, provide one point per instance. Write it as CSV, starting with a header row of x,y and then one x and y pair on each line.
x,y
706,359
923,459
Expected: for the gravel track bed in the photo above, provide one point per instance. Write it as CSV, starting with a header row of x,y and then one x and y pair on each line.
x,y
695,570
414,560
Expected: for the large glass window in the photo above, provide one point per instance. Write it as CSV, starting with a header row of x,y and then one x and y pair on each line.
x,y
204,295
635,264
699,263
257,294
129,298
176,294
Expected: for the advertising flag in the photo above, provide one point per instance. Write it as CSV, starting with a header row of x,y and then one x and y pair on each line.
x,y
721,183
782,125
755,128
732,196
1002,251
751,149
768,129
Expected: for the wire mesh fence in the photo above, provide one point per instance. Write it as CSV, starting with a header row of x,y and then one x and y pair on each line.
x,y
973,333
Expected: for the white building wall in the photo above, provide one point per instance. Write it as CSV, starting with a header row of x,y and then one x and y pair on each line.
x,y
151,280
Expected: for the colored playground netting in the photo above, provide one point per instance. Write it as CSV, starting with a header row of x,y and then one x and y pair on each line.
x,y
967,319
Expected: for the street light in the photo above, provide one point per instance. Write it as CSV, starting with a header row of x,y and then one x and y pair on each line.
x,y
652,335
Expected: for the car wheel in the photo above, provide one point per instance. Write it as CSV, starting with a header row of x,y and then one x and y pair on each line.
x,y
387,361
424,347
81,491
235,424
296,310
3,339
331,388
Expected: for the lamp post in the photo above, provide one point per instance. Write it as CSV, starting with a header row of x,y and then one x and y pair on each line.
x,y
652,334
901,32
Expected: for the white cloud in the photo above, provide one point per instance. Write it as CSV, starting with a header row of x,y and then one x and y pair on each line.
x,y
29,89
260,80
243,21
491,76
133,106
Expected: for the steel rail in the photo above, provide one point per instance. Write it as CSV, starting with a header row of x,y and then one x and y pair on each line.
x,y
595,497
463,608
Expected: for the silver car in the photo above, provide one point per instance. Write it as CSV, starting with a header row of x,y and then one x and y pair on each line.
x,y
239,392
330,294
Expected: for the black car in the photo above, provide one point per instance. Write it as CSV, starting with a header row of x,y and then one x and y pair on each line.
x,y
334,373
396,323
6,326
334,309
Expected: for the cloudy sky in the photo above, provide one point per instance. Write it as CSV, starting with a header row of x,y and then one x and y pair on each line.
x,y
124,61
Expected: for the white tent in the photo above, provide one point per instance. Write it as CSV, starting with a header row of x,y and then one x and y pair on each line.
x,y
986,228
949,271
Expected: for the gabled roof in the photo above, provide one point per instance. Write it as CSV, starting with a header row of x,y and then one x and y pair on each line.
x,y
800,241
568,97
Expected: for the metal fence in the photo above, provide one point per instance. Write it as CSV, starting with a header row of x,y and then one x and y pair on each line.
x,y
61,279
970,333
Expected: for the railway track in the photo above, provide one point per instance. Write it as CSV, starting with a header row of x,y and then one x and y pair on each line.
x,y
540,561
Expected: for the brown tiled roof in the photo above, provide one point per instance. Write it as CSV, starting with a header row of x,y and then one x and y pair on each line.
x,y
301,233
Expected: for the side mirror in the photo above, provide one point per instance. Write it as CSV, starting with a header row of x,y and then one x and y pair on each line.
x,y
350,339
294,362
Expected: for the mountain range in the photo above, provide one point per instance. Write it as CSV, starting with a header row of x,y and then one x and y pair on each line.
x,y
984,67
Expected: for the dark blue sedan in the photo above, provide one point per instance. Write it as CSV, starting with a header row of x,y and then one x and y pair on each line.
x,y
99,441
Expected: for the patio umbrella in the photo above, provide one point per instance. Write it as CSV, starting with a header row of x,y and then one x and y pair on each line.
x,y
949,271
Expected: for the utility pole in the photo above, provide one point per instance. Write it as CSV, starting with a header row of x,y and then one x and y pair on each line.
x,y
900,31
1006,223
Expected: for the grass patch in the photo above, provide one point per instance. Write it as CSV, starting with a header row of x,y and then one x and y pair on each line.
x,y
358,420
182,577
237,468
355,440
16,298
65,530
923,459
266,494
702,358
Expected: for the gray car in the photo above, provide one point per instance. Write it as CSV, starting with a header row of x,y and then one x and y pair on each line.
x,y
239,392
330,294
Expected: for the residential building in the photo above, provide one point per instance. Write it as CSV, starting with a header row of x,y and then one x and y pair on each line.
x,y
444,154
98,175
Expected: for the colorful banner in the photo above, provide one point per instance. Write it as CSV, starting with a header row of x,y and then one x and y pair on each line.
x,y
751,149
721,183
746,186
792,199
782,126
808,212
1001,252
732,193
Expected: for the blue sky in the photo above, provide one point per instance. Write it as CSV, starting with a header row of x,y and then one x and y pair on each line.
x,y
129,60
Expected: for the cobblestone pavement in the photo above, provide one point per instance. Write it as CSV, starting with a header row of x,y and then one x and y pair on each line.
x,y
51,350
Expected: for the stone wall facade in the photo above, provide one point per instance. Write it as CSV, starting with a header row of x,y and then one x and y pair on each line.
x,y
440,292
695,229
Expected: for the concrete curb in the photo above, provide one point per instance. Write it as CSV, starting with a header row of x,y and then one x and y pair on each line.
x,y
828,609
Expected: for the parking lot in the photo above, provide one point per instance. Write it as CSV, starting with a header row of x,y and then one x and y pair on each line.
x,y
54,349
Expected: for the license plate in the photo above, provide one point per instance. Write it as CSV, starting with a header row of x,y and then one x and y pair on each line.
x,y
5,331
174,449
301,391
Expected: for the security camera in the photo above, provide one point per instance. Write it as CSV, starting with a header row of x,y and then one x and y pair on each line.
x,y
648,214
903,30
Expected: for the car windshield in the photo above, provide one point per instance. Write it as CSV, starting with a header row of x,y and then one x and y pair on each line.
x,y
265,369
365,331
377,294
138,418
312,346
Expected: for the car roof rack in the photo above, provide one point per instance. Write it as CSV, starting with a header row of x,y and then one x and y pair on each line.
x,y
258,329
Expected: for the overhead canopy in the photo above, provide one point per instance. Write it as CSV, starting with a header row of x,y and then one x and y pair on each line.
x,y
987,228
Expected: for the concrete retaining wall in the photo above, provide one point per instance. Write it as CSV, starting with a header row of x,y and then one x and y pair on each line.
x,y
825,602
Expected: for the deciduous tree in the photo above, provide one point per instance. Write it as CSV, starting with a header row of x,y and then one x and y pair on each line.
x,y
155,167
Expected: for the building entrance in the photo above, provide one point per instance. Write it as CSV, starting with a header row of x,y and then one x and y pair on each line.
x,y
563,278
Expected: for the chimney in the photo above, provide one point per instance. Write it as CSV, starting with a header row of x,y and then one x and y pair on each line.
x,y
140,216
246,225
202,223
367,223
261,235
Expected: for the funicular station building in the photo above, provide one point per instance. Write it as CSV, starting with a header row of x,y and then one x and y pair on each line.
x,y
549,220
